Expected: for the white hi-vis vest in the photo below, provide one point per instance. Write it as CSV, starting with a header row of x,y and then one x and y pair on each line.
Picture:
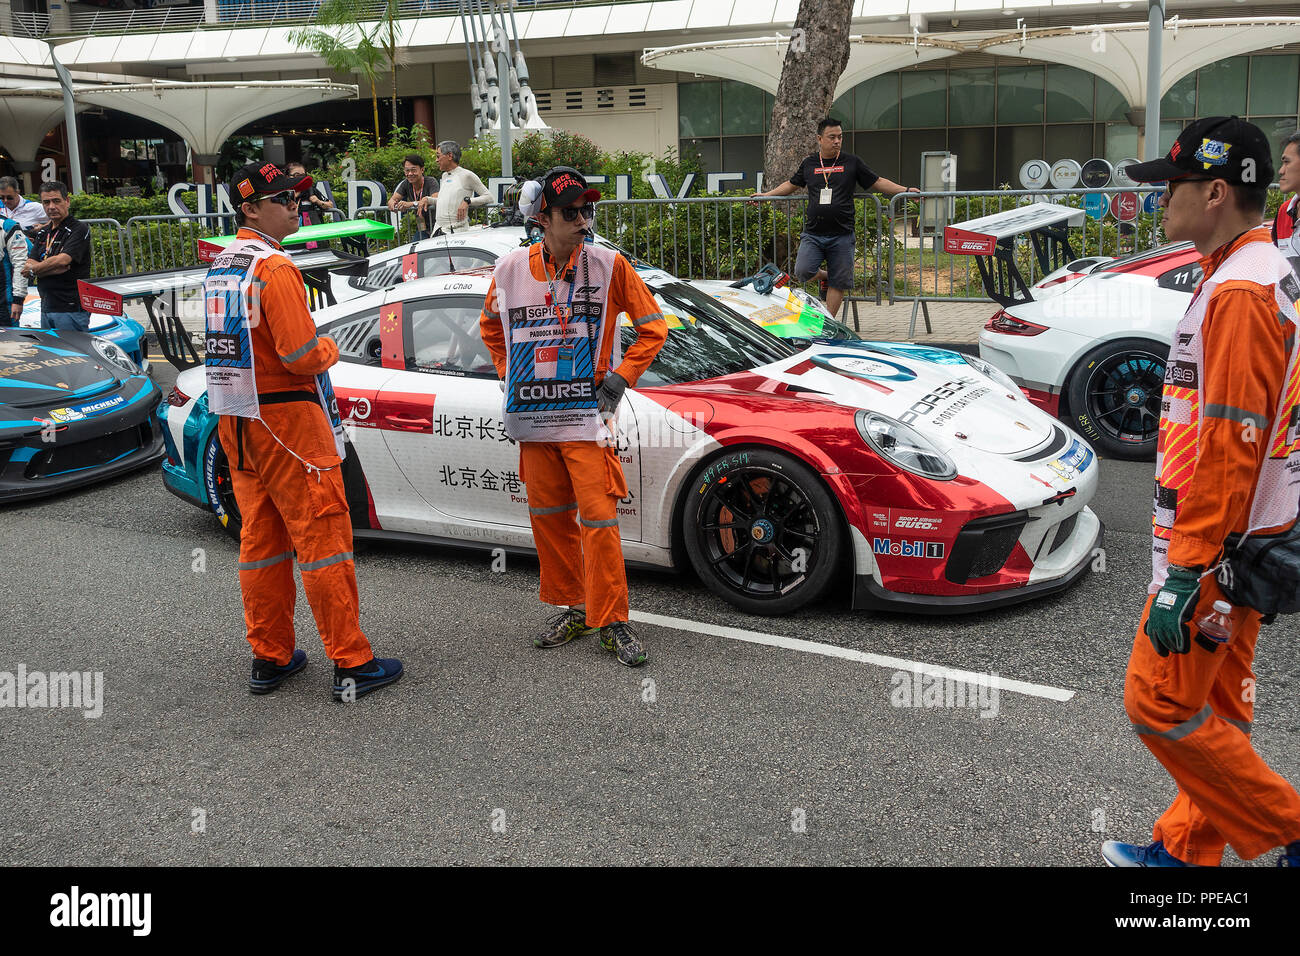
x,y
550,392
231,295
1277,490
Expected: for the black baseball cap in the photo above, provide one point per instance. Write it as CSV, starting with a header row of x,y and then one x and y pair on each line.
x,y
563,185
1221,147
256,180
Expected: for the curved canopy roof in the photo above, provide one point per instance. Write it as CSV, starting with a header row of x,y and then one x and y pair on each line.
x,y
758,62
206,114
1115,52
26,115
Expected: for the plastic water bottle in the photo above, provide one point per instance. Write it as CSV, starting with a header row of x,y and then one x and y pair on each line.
x,y
1216,624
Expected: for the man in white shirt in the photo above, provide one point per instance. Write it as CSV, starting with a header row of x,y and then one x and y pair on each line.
x,y
26,213
457,191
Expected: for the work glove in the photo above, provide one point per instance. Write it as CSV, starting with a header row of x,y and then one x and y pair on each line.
x,y
1172,608
610,393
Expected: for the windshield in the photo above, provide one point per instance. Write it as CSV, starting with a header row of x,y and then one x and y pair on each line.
x,y
705,340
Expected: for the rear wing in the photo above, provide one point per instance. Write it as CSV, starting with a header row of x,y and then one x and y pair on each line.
x,y
991,239
354,235
316,266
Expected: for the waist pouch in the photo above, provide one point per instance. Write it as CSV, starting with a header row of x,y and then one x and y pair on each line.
x,y
1263,571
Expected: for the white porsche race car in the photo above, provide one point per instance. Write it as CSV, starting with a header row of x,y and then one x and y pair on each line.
x,y
773,470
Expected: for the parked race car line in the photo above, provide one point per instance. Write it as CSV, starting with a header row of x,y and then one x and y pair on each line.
x,y
849,654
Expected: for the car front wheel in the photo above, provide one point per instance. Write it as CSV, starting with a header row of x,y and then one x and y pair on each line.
x,y
1114,394
761,530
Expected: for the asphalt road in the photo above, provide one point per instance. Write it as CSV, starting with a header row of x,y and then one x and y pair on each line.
x,y
488,751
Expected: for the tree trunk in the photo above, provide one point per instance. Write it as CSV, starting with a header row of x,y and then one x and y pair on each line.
x,y
374,105
393,66
814,61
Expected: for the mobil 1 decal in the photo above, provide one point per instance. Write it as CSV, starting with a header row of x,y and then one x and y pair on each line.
x,y
551,367
874,371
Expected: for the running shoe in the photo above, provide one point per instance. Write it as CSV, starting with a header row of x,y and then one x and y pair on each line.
x,y
267,675
1130,854
563,627
622,640
351,683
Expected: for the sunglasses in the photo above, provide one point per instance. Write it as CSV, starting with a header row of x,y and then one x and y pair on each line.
x,y
1169,186
286,199
571,213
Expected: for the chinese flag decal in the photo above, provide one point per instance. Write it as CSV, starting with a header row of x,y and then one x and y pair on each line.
x,y
390,336
409,271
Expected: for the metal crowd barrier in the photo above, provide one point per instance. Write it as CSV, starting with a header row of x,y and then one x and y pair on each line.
x,y
730,237
921,272
109,253
171,242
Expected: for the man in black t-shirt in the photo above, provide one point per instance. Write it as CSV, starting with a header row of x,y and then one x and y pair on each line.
x,y
408,193
60,256
831,177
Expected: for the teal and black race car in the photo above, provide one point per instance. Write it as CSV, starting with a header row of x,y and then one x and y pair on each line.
x,y
75,408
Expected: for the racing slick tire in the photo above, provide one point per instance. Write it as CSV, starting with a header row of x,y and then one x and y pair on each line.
x,y
1114,397
218,488
761,530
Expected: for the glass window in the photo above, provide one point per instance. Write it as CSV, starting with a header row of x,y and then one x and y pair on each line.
x,y
875,103
437,262
769,103
1180,101
1111,104
972,95
709,150
842,109
1065,142
1121,142
705,340
1020,95
616,69
1222,88
741,154
1069,94
912,143
1017,145
698,112
1277,129
974,148
1274,83
445,335
742,108
879,150
924,101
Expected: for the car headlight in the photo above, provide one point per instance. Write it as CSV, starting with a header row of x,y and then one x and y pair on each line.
x,y
904,446
112,353
993,372
813,301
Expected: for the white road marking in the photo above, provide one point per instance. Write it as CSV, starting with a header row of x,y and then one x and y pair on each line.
x,y
879,660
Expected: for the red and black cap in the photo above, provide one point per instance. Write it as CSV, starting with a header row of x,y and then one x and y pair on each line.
x,y
564,185
1219,147
265,179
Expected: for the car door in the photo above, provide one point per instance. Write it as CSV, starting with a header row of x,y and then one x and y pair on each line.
x,y
449,437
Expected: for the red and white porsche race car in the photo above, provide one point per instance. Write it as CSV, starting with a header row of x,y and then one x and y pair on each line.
x,y
772,470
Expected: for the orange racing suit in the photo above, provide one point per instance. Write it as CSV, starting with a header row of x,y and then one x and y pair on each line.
x,y
286,506
582,480
1224,467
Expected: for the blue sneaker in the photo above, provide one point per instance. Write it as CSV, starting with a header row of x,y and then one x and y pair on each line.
x,y
1130,854
267,676
1292,855
353,682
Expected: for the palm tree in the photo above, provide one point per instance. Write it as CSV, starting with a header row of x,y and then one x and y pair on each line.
x,y
337,37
